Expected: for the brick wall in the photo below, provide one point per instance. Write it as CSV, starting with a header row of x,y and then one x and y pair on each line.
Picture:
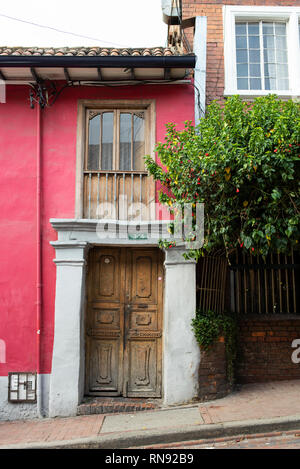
x,y
212,9
264,349
213,383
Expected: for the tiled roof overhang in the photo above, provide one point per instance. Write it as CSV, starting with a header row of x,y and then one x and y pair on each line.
x,y
101,65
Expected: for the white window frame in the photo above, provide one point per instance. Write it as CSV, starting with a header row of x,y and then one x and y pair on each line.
x,y
291,15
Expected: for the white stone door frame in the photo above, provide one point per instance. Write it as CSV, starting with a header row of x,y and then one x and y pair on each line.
x,y
180,350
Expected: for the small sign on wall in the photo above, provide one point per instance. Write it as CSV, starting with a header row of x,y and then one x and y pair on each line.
x,y
22,387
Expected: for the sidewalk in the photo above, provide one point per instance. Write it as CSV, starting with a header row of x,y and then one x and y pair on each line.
x,y
255,408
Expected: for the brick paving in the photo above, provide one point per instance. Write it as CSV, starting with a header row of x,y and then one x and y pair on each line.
x,y
47,430
255,401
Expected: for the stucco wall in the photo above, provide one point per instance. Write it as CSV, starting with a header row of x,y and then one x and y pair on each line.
x,y
174,103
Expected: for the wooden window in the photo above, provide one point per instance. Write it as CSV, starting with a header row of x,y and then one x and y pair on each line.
x,y
113,138
116,140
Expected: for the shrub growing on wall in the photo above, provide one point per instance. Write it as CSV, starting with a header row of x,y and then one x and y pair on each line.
x,y
242,162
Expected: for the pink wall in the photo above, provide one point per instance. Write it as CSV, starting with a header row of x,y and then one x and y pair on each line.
x,y
174,103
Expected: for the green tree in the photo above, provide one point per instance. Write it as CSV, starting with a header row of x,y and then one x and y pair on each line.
x,y
242,162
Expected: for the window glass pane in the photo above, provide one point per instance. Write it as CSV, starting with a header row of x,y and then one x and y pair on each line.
x,y
93,147
270,70
280,42
253,29
268,28
107,141
255,70
242,56
275,56
269,55
125,142
242,70
280,28
255,84
138,142
241,42
270,84
283,84
281,56
240,29
272,35
281,71
269,42
254,56
242,84
253,42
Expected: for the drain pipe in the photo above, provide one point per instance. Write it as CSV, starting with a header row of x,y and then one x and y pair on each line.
x,y
38,261
200,41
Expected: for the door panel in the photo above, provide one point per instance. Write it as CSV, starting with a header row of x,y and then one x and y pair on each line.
x,y
124,322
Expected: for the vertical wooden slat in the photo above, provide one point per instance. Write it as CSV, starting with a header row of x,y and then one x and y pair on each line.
x,y
106,187
132,188
90,193
132,139
258,285
293,283
266,289
245,284
272,286
279,284
98,191
238,290
287,286
100,141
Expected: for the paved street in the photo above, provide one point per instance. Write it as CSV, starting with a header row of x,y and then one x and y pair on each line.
x,y
276,440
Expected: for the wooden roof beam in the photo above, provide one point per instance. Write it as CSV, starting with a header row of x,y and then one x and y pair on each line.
x,y
67,76
35,75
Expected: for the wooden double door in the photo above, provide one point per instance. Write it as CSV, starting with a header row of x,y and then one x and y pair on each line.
x,y
124,322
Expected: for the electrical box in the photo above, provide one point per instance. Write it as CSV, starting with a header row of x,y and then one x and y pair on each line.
x,y
22,387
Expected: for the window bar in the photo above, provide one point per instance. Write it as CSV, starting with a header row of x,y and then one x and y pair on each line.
x,y
100,142
132,137
90,191
141,196
131,188
287,286
115,193
98,192
106,186
124,200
